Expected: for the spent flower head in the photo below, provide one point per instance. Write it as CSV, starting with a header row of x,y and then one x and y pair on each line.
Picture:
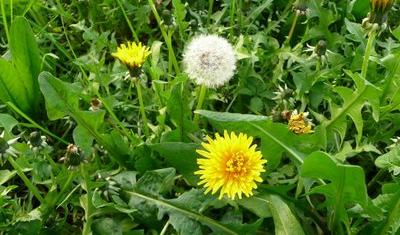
x,y
209,60
300,7
299,123
73,156
231,164
132,55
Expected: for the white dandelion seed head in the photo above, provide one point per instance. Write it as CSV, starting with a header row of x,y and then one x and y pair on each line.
x,y
209,60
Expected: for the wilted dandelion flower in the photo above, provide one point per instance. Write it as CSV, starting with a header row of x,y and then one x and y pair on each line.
x,y
132,55
209,60
378,14
230,164
299,123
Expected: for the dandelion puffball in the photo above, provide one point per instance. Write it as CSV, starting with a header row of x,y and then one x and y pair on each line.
x,y
209,60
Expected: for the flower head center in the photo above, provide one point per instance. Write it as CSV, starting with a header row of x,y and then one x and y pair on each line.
x,y
4,146
236,164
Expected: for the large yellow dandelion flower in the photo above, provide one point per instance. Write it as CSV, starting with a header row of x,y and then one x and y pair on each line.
x,y
299,123
230,163
132,55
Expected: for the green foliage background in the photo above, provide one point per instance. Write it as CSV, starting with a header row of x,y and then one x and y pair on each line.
x,y
56,57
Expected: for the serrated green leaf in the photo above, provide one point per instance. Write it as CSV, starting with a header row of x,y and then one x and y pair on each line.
x,y
353,102
347,185
390,161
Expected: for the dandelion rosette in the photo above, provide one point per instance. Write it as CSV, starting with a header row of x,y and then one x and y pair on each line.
x,y
132,55
209,60
299,123
231,164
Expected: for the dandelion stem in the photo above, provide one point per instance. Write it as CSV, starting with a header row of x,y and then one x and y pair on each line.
x,y
164,230
294,23
27,182
202,96
210,8
367,54
165,36
3,13
142,110
123,129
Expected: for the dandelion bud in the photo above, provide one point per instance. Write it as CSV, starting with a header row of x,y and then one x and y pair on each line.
x,y
320,49
36,141
377,17
209,60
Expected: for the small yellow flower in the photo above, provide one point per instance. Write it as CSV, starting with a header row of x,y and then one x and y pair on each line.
x,y
132,55
230,163
299,123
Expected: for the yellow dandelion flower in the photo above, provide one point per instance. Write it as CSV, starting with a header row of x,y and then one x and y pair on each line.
x,y
132,55
299,123
231,164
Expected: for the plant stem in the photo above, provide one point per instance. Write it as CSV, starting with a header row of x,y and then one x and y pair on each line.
x,y
3,13
128,21
165,228
165,36
368,49
22,114
232,17
202,96
32,188
294,23
210,8
124,131
142,110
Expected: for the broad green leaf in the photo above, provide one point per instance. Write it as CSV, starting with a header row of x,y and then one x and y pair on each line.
x,y
284,219
61,98
26,58
12,88
181,156
276,138
353,102
346,187
7,122
258,204
390,161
